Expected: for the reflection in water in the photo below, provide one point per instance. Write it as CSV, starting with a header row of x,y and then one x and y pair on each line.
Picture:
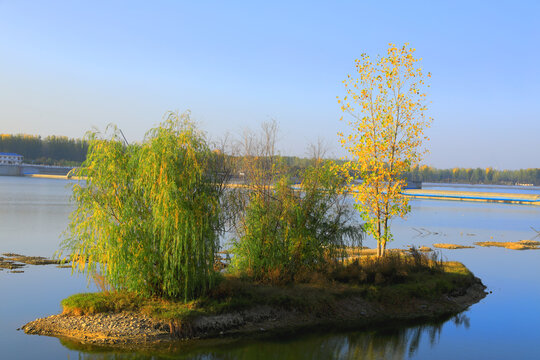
x,y
395,343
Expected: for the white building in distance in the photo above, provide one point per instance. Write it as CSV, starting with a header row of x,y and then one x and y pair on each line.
x,y
10,159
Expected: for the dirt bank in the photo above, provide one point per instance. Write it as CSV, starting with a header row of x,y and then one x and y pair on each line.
x,y
128,329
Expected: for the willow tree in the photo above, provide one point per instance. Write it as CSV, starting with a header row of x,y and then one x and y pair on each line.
x,y
147,215
386,104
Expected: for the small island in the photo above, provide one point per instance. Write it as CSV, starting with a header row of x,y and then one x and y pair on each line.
x,y
367,292
151,217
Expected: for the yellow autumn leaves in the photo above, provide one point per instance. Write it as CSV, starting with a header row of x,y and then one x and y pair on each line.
x,y
386,133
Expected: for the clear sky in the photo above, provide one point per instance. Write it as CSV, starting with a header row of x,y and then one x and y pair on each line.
x,y
66,66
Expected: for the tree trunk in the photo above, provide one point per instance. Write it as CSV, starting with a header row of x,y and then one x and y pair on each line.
x,y
379,249
385,237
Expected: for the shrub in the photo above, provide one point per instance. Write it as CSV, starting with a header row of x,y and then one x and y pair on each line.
x,y
286,232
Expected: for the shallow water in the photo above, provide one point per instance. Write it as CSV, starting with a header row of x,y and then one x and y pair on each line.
x,y
34,212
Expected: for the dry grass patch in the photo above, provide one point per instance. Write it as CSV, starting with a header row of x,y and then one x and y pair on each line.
x,y
513,245
452,246
358,253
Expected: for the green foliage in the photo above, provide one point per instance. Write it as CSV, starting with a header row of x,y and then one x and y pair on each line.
x,y
93,303
286,232
148,214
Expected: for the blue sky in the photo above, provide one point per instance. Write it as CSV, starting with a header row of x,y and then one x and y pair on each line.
x,y
68,66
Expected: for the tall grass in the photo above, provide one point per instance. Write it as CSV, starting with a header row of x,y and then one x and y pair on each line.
x,y
395,267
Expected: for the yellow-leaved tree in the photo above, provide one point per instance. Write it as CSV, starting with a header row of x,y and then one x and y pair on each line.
x,y
386,103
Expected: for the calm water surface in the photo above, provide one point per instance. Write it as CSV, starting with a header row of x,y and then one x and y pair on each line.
x,y
34,212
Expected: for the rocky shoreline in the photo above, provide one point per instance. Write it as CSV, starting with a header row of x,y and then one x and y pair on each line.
x,y
129,329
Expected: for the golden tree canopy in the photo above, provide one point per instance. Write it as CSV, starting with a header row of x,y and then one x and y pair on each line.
x,y
386,104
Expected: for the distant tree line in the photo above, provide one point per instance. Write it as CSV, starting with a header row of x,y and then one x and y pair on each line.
x,y
61,150
475,176
52,150
296,165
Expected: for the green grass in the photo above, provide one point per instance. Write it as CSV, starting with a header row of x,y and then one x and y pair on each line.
x,y
393,280
93,303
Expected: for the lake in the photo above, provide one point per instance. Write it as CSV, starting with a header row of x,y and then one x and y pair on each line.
x,y
34,212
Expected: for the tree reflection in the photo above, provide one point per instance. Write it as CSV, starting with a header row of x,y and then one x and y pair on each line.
x,y
389,342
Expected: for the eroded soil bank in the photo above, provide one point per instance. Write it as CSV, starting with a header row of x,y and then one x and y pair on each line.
x,y
130,329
